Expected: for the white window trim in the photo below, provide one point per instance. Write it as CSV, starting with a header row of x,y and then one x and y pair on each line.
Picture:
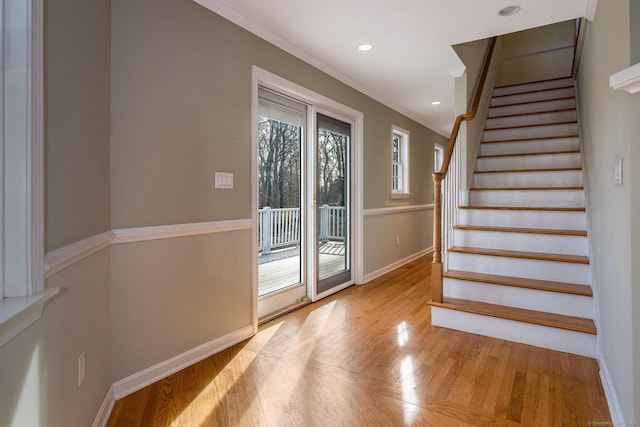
x,y
22,293
404,192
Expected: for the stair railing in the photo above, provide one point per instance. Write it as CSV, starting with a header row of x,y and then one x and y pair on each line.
x,y
438,177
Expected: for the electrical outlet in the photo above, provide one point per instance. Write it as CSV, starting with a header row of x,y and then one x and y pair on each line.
x,y
397,240
82,369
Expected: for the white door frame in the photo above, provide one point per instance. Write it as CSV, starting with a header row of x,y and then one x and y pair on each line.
x,y
261,77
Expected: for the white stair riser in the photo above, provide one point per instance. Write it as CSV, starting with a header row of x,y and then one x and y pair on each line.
x,y
525,219
533,96
520,267
525,333
532,146
533,107
530,299
546,131
529,87
528,179
529,198
532,119
526,162
528,242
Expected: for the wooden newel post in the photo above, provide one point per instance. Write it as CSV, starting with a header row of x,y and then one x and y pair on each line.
x,y
436,266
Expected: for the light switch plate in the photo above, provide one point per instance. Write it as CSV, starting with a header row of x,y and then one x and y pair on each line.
x,y
224,180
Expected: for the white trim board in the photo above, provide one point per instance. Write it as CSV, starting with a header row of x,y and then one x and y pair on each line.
x,y
102,418
396,209
59,259
617,418
142,379
627,79
140,234
381,271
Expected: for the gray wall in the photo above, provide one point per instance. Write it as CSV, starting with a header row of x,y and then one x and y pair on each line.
x,y
145,100
77,86
38,368
634,24
538,54
609,122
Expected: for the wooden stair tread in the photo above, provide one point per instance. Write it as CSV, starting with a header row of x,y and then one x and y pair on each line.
x,y
540,256
535,153
571,323
524,208
580,233
536,125
526,189
530,139
533,113
521,282
531,170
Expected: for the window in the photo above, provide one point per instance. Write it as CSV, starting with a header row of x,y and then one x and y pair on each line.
x,y
22,293
438,157
399,163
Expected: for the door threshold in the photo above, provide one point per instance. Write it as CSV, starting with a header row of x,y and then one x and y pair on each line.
x,y
286,310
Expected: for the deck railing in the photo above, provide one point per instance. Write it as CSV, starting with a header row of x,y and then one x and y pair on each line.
x,y
279,228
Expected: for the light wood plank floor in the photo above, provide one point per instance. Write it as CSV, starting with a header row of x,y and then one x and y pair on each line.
x,y
368,356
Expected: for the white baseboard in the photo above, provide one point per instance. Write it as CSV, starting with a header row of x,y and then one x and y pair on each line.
x,y
139,380
375,274
617,418
105,409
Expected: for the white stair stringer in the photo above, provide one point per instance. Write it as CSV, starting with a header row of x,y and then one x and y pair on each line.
x,y
519,251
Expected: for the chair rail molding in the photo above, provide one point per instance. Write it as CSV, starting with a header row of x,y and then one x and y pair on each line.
x,y
627,79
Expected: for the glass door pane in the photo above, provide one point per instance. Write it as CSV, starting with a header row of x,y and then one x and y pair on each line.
x,y
332,202
281,124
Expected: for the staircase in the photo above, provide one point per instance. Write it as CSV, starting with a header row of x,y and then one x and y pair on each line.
x,y
518,266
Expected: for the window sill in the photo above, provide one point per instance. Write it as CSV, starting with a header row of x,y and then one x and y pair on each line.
x,y
627,79
395,196
18,313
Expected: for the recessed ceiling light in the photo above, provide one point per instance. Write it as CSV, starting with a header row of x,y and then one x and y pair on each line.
x,y
509,10
435,103
365,47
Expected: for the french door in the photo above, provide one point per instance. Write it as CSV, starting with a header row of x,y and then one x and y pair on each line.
x,y
304,203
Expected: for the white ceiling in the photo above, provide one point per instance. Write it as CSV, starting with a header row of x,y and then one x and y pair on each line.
x,y
410,64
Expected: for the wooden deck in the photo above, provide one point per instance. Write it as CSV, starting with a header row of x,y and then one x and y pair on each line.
x,y
281,269
368,356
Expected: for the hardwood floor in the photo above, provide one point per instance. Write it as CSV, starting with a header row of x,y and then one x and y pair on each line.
x,y
368,356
